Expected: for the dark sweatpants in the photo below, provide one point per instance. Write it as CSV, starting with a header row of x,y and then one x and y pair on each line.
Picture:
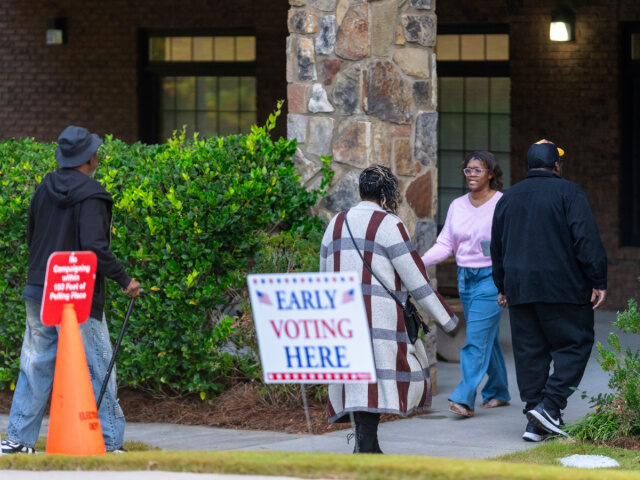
x,y
542,332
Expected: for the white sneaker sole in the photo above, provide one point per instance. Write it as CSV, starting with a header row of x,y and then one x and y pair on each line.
x,y
10,450
533,437
545,424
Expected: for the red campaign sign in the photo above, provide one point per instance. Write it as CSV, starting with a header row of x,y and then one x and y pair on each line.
x,y
70,279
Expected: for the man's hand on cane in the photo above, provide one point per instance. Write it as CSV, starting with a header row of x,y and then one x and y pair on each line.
x,y
133,289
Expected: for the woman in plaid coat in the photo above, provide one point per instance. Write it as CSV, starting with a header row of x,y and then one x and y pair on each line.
x,y
403,384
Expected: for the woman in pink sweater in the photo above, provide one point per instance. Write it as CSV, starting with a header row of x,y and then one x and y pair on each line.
x,y
467,234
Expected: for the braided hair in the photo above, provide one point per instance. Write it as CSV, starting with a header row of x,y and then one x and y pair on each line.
x,y
379,184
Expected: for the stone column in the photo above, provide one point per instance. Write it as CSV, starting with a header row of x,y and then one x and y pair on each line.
x,y
362,88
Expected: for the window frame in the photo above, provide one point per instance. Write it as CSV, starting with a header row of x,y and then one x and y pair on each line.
x,y
469,69
629,198
151,72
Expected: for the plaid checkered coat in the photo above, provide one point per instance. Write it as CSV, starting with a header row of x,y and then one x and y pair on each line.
x,y
404,383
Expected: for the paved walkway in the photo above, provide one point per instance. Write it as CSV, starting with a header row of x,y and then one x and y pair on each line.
x,y
490,433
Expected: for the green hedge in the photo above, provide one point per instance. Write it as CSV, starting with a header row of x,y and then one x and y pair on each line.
x,y
189,218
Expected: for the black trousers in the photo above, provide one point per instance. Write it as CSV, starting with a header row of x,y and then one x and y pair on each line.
x,y
546,332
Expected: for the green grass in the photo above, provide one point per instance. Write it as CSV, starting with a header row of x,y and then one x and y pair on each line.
x,y
549,452
130,446
310,465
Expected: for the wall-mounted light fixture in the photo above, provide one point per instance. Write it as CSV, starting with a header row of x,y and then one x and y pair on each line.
x,y
563,24
57,31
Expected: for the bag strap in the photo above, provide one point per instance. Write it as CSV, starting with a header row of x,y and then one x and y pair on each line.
x,y
367,265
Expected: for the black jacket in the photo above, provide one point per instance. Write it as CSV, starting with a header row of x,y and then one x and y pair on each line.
x,y
70,211
545,245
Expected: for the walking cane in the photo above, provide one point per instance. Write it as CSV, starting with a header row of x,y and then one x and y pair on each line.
x,y
115,352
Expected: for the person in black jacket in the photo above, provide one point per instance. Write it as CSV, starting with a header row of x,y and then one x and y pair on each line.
x,y
551,271
69,211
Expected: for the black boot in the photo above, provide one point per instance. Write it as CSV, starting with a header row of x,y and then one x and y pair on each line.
x,y
366,435
376,447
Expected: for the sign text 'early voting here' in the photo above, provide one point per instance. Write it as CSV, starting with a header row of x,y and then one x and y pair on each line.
x,y
311,328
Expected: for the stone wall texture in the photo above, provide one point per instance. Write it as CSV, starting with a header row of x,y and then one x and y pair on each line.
x,y
362,89
570,94
366,75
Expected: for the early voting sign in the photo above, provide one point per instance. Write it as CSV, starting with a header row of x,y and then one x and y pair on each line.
x,y
70,279
312,328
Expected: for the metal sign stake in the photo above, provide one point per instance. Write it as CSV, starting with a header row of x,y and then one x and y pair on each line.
x,y
305,404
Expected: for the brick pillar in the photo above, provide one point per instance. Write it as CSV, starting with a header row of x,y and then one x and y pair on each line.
x,y
362,88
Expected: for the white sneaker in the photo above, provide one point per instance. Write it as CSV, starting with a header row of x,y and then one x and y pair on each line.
x,y
548,421
11,447
533,433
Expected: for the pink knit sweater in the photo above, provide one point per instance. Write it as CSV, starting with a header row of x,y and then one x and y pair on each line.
x,y
466,230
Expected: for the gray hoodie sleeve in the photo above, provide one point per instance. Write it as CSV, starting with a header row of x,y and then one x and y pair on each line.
x,y
93,225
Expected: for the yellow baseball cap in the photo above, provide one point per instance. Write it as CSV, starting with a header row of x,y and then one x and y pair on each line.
x,y
560,151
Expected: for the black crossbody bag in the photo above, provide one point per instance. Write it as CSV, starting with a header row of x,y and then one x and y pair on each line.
x,y
412,319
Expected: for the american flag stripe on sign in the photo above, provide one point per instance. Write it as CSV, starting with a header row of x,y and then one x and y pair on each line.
x,y
263,298
348,296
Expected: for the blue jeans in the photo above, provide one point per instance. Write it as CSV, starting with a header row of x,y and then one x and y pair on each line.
x,y
37,365
482,352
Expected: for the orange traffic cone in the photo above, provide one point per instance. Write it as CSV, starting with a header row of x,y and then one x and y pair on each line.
x,y
74,428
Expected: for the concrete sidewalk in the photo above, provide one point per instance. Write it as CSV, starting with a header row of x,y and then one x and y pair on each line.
x,y
490,433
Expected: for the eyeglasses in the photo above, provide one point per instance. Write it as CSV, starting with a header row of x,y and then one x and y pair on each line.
x,y
474,171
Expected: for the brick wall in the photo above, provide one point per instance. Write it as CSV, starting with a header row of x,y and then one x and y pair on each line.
x,y
93,79
569,93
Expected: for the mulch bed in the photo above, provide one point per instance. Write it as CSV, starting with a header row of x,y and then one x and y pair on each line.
x,y
626,442
238,408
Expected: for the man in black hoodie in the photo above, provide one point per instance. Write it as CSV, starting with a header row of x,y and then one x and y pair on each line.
x,y
551,271
70,211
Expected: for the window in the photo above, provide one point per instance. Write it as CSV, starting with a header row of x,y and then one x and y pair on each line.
x,y
202,49
204,82
470,47
473,103
209,105
635,46
630,148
